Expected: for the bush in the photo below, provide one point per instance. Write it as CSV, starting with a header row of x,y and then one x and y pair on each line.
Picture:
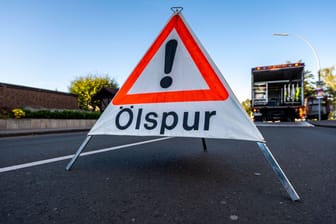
x,y
18,113
6,113
62,114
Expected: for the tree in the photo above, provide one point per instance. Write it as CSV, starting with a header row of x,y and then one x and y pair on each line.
x,y
246,104
86,87
329,78
309,84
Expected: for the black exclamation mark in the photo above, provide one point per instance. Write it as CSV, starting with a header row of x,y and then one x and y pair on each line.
x,y
169,60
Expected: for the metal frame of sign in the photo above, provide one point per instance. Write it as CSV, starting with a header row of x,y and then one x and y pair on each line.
x,y
262,146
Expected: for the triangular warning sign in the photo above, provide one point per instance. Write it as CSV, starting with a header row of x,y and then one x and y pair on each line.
x,y
174,69
176,90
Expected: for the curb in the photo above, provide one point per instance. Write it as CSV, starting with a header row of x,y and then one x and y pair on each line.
x,y
316,124
40,132
30,132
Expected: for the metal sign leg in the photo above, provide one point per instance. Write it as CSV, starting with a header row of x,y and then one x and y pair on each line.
x,y
204,145
80,149
278,171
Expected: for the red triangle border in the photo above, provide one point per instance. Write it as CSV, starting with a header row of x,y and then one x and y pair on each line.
x,y
216,90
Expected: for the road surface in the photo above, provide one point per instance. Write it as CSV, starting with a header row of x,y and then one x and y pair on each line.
x,y
169,181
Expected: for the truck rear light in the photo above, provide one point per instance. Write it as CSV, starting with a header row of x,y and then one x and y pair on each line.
x,y
301,112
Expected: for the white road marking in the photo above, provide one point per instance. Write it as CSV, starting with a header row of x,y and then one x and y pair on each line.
x,y
46,161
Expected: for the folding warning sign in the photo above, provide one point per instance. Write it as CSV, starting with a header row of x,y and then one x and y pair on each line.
x,y
176,90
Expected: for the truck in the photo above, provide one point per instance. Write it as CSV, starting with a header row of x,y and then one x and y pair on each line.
x,y
278,92
312,107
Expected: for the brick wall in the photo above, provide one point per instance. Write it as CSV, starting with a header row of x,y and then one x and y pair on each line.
x,y
14,96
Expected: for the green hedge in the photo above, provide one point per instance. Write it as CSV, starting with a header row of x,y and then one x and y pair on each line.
x,y
63,114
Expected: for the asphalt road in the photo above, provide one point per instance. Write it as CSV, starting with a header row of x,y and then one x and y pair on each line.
x,y
170,181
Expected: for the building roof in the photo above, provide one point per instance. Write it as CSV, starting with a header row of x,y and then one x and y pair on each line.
x,y
105,92
34,89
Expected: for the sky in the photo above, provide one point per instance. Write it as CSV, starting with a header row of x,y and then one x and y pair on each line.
x,y
49,43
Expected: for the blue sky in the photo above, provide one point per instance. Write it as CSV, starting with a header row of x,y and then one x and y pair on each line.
x,y
47,44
